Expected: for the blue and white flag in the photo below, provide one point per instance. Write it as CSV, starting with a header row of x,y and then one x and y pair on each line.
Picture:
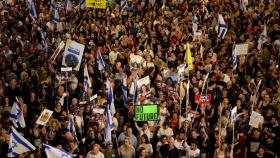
x,y
53,152
123,5
110,97
16,115
101,64
56,18
32,9
124,91
18,144
222,27
235,59
44,41
53,5
83,5
87,83
68,5
71,126
109,125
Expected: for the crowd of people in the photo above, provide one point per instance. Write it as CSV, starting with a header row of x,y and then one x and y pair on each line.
x,y
155,35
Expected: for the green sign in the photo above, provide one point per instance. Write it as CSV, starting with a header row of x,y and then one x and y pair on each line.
x,y
147,112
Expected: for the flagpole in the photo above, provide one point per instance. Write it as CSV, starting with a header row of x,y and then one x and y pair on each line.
x,y
220,126
206,80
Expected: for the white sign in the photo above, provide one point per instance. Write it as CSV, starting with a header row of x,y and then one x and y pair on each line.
x,y
241,49
255,119
98,110
144,81
44,117
73,54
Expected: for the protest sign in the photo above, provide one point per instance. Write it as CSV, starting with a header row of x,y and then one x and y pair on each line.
x,y
147,112
44,117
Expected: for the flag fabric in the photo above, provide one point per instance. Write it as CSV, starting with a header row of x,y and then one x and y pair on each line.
x,y
222,27
263,38
195,23
53,5
43,40
71,126
233,115
56,18
123,5
188,93
124,91
83,5
16,115
188,58
18,144
87,83
204,83
235,59
32,9
110,97
201,50
182,91
109,125
68,5
258,86
136,93
53,152
205,10
101,64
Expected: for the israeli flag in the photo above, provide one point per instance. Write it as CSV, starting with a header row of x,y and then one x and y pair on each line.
x,y
44,41
110,97
56,18
68,5
53,5
235,59
71,126
101,64
87,83
53,152
32,9
109,125
124,91
16,115
83,5
18,144
222,28
123,5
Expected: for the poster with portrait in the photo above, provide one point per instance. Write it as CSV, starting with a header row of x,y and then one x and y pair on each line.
x,y
66,74
44,117
143,86
170,78
73,54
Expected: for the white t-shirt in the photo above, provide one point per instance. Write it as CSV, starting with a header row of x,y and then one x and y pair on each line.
x,y
98,155
168,132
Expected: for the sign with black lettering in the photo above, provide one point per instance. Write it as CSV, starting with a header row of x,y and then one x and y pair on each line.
x,y
147,112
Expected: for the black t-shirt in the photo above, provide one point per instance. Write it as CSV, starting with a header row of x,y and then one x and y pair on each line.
x,y
253,145
169,153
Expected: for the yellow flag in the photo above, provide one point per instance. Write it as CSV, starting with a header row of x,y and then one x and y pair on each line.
x,y
188,58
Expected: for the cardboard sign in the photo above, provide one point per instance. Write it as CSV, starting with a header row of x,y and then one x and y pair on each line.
x,y
148,112
203,100
241,49
66,73
44,117
96,4
255,119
